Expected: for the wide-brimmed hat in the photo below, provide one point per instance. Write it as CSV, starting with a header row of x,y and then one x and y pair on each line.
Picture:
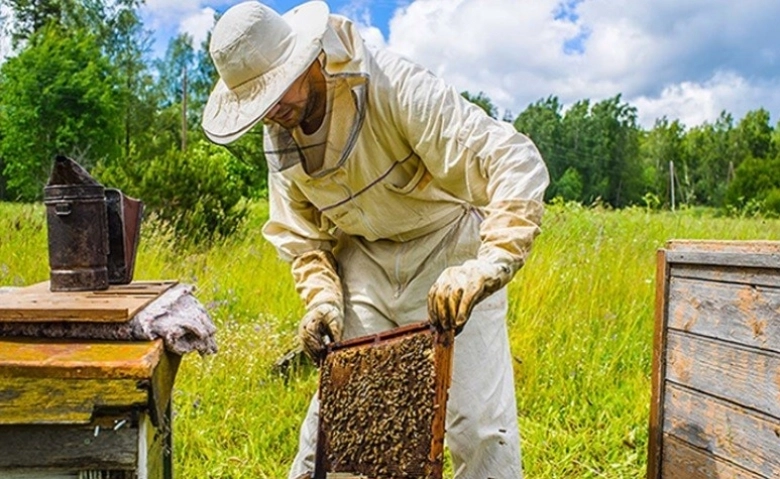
x,y
258,54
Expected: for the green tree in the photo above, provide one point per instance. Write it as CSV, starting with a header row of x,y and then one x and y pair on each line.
x,y
117,29
601,143
660,147
251,165
699,147
97,16
577,146
172,89
178,61
541,122
712,152
569,187
757,180
56,97
127,48
616,152
776,139
754,134
199,192
201,80
29,16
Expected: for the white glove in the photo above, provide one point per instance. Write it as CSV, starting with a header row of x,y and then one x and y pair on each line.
x,y
459,288
325,320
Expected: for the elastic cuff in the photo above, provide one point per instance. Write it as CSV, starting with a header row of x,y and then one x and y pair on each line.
x,y
335,304
504,263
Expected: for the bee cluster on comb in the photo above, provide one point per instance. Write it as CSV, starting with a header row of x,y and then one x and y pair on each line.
x,y
382,405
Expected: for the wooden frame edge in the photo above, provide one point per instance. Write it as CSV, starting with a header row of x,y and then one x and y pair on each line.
x,y
444,348
655,439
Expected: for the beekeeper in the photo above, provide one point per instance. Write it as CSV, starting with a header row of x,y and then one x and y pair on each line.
x,y
394,199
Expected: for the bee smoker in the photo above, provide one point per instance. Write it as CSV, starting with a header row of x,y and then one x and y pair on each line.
x,y
92,230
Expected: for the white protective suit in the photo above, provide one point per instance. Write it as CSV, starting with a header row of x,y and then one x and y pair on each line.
x,y
414,179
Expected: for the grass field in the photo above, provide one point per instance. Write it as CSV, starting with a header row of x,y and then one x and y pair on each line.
x,y
581,322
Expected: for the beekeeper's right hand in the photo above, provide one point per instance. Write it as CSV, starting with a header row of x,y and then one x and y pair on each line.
x,y
325,320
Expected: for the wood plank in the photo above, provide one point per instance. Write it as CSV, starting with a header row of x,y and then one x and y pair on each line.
x,y
752,276
72,447
152,287
724,246
681,460
754,254
752,260
744,314
72,401
655,441
117,304
744,376
151,454
82,359
38,474
162,389
724,430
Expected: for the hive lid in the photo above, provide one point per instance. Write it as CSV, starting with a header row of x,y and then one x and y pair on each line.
x,y
119,303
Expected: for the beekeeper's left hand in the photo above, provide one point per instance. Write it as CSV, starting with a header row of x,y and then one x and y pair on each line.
x,y
459,288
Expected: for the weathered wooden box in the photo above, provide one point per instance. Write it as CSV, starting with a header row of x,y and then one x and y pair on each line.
x,y
715,409
83,408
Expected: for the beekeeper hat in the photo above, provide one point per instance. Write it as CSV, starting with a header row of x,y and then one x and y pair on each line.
x,y
258,55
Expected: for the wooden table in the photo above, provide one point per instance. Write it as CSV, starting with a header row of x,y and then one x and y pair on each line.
x,y
84,408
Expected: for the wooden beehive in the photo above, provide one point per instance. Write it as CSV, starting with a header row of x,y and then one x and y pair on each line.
x,y
716,365
81,408
84,408
383,405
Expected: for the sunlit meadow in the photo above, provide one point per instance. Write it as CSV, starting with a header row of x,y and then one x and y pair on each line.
x,y
581,322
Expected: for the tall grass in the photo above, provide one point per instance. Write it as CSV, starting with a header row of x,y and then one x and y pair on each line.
x,y
581,321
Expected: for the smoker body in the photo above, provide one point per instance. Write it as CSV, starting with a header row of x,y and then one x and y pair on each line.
x,y
78,237
93,231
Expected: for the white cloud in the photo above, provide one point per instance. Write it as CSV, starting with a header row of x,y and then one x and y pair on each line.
x,y
688,60
166,9
695,103
5,47
515,58
198,25
667,57
169,19
359,11
5,40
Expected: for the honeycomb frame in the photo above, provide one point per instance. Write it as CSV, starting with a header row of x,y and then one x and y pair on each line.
x,y
374,392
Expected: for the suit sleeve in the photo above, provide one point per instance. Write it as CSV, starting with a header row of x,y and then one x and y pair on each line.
x,y
301,236
478,159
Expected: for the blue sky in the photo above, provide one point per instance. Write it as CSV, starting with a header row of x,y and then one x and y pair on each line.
x,y
687,60
162,14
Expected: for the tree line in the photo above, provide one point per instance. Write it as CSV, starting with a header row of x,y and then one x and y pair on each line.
x,y
82,82
597,152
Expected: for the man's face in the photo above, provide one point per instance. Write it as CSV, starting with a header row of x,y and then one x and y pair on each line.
x,y
295,104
